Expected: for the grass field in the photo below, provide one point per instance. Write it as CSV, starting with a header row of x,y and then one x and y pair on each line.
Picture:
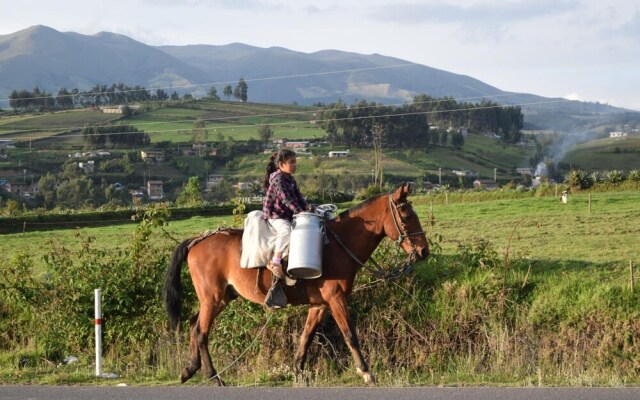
x,y
537,228
55,122
226,120
551,307
614,153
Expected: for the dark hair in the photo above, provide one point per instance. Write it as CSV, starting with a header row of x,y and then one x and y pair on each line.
x,y
279,156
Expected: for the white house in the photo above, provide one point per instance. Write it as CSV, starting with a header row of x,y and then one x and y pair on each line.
x,y
155,190
152,155
334,154
617,134
464,173
87,166
212,180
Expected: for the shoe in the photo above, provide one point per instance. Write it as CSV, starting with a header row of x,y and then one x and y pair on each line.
x,y
275,297
276,269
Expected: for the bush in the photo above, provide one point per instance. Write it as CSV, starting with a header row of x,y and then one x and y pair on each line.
x,y
61,304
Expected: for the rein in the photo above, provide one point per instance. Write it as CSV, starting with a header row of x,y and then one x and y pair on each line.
x,y
376,270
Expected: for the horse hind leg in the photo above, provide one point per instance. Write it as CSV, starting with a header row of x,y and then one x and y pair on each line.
x,y
194,362
208,312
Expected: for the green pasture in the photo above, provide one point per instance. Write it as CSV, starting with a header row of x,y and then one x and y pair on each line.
x,y
61,120
606,154
230,121
540,229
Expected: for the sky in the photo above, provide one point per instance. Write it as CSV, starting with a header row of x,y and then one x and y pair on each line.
x,y
586,50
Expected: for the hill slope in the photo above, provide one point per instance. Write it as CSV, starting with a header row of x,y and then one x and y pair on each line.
x,y
43,57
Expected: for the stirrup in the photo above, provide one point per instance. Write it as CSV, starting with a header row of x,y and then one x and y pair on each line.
x,y
275,297
276,269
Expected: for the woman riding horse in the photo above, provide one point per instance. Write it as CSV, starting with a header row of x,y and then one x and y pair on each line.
x,y
214,266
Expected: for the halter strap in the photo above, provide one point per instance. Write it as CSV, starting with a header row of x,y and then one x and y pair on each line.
x,y
402,233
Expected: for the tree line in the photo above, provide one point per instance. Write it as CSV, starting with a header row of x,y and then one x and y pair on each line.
x,y
105,95
412,125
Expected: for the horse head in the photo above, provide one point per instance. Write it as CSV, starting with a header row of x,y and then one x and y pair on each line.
x,y
403,225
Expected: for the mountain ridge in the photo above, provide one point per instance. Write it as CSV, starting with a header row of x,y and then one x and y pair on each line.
x,y
44,57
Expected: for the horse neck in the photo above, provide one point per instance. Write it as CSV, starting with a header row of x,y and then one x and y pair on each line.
x,y
362,229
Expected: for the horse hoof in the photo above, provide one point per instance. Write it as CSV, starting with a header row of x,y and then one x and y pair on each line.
x,y
368,378
186,375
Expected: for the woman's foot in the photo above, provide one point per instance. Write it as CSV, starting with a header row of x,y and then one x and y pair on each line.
x,y
276,269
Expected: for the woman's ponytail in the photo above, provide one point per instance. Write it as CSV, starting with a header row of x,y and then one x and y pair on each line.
x,y
271,168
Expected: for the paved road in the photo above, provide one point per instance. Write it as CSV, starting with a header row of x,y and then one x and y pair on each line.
x,y
12,392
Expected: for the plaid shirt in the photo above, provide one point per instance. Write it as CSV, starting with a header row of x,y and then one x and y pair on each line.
x,y
283,199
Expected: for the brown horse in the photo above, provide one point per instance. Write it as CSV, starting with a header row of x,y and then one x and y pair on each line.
x,y
214,265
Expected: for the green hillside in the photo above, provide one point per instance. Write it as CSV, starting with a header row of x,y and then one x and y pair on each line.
x,y
45,140
606,154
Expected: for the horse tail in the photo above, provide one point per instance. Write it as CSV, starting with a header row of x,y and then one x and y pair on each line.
x,y
172,293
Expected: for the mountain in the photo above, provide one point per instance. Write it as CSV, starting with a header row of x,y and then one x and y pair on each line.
x,y
43,57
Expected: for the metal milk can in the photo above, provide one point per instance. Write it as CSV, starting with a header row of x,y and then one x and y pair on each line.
x,y
305,246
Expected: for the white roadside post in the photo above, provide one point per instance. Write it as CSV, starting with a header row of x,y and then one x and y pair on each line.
x,y
98,323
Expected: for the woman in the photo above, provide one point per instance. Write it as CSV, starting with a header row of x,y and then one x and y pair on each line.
x,y
281,201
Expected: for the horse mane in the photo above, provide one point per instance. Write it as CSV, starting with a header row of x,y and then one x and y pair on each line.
x,y
364,204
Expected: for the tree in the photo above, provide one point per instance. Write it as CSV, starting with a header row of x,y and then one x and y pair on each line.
x,y
191,196
240,91
76,193
213,93
457,140
227,91
64,99
444,137
12,208
47,190
266,133
161,95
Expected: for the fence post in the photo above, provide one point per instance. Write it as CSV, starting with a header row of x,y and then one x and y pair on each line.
x,y
24,227
631,278
589,204
98,323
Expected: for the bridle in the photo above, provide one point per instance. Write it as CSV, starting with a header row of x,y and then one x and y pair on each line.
x,y
399,269
402,227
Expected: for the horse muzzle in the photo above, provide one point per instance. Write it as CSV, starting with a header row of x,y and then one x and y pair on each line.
x,y
423,254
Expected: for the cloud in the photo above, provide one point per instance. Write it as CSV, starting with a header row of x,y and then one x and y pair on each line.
x,y
315,10
479,13
224,4
573,96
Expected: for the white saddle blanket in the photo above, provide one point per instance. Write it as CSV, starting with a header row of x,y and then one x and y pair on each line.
x,y
258,241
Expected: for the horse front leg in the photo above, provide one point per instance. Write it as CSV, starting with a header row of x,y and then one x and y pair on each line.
x,y
314,317
340,311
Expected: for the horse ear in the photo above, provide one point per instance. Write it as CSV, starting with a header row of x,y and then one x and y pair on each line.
x,y
402,192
